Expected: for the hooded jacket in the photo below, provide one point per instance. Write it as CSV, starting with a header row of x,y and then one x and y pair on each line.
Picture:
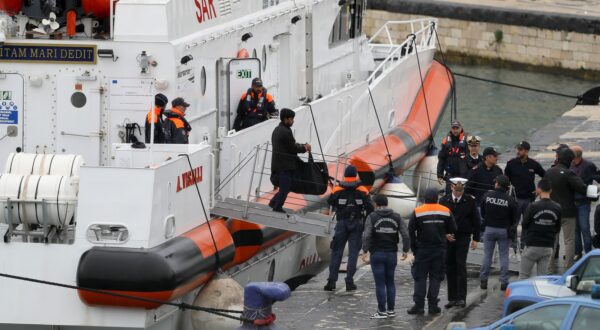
x,y
176,128
382,232
565,183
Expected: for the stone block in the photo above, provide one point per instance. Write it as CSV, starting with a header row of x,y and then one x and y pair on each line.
x,y
456,33
532,32
521,49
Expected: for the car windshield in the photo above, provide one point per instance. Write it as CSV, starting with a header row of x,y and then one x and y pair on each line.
x,y
543,318
588,274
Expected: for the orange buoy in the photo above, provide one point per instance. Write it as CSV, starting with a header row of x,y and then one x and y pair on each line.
x,y
11,7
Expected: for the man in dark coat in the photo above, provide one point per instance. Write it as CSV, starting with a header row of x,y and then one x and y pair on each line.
x,y
155,118
468,222
565,183
284,157
482,178
452,158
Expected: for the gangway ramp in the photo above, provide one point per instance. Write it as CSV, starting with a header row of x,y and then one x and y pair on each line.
x,y
306,223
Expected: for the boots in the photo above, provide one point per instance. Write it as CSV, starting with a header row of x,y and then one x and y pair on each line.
x,y
416,310
330,286
350,286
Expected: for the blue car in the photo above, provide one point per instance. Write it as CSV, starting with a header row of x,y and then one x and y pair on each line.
x,y
573,313
578,279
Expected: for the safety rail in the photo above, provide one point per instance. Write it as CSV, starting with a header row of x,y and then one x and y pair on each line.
x,y
420,30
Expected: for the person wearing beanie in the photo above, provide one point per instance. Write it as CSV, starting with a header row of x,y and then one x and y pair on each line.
x,y
565,185
500,214
431,225
351,203
284,157
155,118
381,236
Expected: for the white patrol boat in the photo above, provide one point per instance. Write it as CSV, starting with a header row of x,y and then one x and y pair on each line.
x,y
83,208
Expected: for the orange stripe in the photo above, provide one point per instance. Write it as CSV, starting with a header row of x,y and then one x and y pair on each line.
x,y
201,236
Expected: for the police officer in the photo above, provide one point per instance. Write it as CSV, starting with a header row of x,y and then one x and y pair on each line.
x,y
352,204
160,103
541,224
176,128
464,210
474,158
430,226
452,158
481,179
521,171
500,215
256,106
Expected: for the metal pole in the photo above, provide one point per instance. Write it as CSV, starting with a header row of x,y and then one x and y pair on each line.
x,y
262,170
251,181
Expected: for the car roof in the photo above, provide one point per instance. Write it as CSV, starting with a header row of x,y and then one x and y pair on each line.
x,y
581,298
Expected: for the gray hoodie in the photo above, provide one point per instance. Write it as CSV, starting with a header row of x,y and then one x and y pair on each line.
x,y
382,230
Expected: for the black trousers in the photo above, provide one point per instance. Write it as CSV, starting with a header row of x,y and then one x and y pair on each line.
x,y
428,265
456,267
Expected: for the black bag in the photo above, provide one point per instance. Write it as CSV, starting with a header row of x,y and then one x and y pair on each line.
x,y
310,178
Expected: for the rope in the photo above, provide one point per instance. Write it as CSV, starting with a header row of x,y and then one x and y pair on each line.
x,y
389,155
517,86
414,38
217,255
181,306
316,129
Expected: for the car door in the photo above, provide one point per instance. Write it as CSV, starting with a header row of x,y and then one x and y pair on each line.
x,y
587,317
546,317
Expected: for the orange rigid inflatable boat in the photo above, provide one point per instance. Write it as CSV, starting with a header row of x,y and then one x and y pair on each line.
x,y
184,263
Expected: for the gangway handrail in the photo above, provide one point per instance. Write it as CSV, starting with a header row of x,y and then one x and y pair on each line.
x,y
424,34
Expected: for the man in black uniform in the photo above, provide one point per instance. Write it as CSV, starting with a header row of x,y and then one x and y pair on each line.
x,y
176,127
500,215
474,158
430,226
256,106
352,204
482,177
452,158
521,171
284,157
468,223
541,224
156,118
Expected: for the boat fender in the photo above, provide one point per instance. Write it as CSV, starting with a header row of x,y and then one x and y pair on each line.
x,y
401,198
222,292
258,302
426,173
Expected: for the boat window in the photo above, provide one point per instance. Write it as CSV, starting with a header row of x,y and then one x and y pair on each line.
x,y
586,318
264,58
203,81
547,318
348,23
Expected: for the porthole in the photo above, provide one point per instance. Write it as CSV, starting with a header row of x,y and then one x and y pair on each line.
x,y
254,53
203,81
264,58
78,100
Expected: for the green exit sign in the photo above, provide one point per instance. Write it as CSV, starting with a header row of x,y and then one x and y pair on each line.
x,y
244,74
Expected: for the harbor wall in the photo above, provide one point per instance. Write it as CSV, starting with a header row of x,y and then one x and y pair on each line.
x,y
504,36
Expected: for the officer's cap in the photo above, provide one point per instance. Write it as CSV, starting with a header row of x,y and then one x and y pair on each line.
x,y
474,140
257,82
459,181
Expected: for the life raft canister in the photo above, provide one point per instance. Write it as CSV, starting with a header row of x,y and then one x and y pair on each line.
x,y
165,272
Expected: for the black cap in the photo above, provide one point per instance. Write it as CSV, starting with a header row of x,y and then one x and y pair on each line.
x,y
503,181
490,151
286,113
180,102
381,200
160,100
561,147
523,145
257,82
456,123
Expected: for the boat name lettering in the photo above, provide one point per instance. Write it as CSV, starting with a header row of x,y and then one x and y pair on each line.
x,y
186,179
35,53
206,10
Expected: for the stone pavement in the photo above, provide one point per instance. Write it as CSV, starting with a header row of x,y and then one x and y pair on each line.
x,y
312,308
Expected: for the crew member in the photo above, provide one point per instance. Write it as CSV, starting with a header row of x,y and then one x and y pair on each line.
x,y
256,106
541,224
588,173
160,103
452,158
557,152
481,179
284,157
381,239
474,157
521,171
430,226
176,128
468,223
565,183
351,203
500,215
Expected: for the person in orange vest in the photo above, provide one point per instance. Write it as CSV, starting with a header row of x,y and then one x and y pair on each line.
x,y
176,128
256,106
160,103
430,226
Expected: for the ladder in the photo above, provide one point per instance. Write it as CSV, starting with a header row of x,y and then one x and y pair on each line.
x,y
310,223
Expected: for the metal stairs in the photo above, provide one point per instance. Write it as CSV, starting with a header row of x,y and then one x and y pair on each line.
x,y
307,223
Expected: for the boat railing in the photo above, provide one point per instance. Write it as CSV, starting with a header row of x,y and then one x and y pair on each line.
x,y
420,33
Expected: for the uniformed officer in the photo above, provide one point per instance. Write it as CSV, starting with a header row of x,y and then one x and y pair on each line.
x,y
500,215
429,227
452,158
481,179
521,171
352,204
474,158
160,103
464,210
176,127
256,106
